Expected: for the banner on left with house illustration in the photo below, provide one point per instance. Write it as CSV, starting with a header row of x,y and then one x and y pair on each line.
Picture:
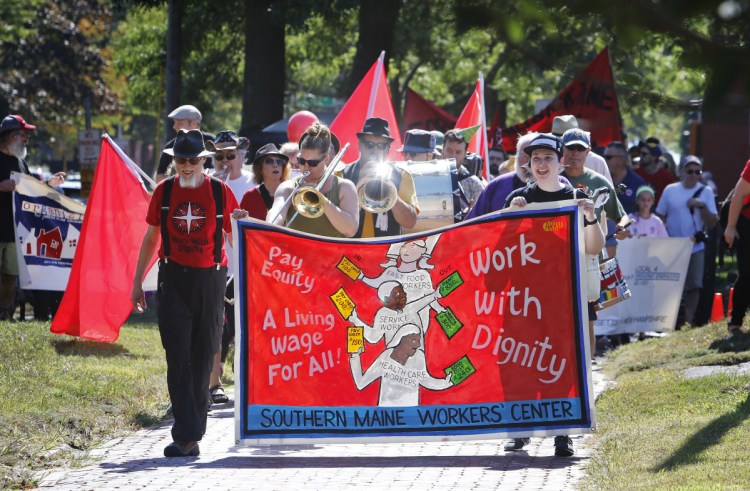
x,y
48,226
477,330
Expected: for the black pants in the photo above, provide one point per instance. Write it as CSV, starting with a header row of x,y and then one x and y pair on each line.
x,y
227,335
741,297
191,314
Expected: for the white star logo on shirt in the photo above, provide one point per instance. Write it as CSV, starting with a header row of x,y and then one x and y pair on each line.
x,y
189,218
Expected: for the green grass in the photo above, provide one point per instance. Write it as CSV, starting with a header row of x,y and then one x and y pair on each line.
x,y
61,396
658,430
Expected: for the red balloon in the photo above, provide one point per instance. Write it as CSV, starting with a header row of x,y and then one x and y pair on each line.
x,y
298,123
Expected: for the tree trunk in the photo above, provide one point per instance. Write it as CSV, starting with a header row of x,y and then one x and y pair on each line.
x,y
377,25
265,56
174,62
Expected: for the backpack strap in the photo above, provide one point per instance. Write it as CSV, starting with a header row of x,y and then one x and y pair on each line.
x,y
166,195
218,193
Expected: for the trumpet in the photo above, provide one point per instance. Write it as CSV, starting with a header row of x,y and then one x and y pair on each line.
x,y
309,201
376,192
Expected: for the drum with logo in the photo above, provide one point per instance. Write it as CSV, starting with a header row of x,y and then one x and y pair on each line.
x,y
613,287
433,184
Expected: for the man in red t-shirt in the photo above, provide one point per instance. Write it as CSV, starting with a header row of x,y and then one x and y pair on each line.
x,y
187,213
654,174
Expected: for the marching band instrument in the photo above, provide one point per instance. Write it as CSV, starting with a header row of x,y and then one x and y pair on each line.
x,y
376,192
300,179
434,187
309,201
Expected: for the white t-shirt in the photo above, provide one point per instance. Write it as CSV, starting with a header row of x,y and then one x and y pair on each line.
x,y
242,184
597,163
680,221
647,227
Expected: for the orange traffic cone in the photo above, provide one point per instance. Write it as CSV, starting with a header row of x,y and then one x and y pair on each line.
x,y
729,307
717,311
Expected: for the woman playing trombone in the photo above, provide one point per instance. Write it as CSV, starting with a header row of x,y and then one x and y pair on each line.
x,y
324,204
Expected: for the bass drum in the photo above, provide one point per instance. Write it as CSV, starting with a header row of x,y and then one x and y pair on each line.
x,y
434,187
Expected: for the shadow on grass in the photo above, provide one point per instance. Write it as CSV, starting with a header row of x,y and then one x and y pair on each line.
x,y
75,347
737,343
706,437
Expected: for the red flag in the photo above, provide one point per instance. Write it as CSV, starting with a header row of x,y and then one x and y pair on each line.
x,y
97,300
472,115
422,114
495,134
371,99
591,98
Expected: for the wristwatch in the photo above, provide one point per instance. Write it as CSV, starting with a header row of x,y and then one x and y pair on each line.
x,y
586,221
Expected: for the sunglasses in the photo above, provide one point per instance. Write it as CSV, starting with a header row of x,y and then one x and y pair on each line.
x,y
608,157
281,162
694,172
410,154
311,163
224,156
577,148
191,161
379,146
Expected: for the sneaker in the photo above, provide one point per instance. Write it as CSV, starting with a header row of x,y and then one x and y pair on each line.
x,y
516,444
182,449
563,446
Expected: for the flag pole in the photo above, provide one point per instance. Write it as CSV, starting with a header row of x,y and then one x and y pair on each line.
x,y
485,167
375,85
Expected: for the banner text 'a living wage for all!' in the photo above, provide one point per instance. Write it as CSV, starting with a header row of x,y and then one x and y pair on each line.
x,y
476,331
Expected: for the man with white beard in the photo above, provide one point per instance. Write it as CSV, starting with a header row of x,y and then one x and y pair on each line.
x,y
188,213
14,136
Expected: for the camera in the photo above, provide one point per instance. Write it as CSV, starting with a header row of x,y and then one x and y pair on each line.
x,y
700,236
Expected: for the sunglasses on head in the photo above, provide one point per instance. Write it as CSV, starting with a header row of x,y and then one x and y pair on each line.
x,y
694,172
281,162
184,160
379,146
224,156
310,163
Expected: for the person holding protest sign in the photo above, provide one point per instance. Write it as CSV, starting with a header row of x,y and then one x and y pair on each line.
x,y
15,133
545,152
338,197
188,213
737,231
374,143
401,368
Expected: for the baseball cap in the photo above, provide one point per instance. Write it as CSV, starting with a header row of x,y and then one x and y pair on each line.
x,y
15,122
576,136
545,140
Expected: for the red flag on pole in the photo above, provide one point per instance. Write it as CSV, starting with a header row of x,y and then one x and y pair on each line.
x,y
371,99
422,114
472,115
591,98
97,300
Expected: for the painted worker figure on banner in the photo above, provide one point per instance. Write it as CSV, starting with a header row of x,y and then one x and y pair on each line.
x,y
410,268
396,312
401,368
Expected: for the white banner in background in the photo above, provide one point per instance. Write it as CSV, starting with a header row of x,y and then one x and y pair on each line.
x,y
48,224
654,270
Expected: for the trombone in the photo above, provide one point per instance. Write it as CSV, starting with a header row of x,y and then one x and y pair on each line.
x,y
309,201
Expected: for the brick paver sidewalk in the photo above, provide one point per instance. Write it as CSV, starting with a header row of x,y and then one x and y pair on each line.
x,y
137,462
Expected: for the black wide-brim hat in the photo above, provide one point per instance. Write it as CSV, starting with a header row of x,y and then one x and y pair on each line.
x,y
188,144
376,127
269,149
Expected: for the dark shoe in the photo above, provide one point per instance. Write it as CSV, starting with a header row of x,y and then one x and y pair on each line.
x,y
563,446
182,449
734,330
217,395
516,444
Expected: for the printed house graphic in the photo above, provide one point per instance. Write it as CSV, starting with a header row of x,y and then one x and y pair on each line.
x,y
49,244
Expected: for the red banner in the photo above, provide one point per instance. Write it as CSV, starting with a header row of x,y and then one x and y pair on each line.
x,y
591,98
371,99
437,336
97,299
419,113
